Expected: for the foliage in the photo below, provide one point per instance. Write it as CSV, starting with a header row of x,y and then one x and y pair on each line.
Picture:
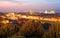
x,y
31,29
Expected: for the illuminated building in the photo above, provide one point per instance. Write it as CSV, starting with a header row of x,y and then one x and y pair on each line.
x,y
11,16
52,11
5,21
3,16
30,11
46,12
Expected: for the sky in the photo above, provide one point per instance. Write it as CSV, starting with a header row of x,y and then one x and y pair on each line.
x,y
26,5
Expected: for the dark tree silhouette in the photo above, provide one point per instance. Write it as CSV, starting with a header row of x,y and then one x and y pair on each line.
x,y
32,29
46,26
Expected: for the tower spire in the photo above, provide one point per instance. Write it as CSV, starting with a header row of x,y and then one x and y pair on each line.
x,y
31,11
46,12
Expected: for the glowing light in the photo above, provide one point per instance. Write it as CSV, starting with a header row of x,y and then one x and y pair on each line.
x,y
46,11
5,21
24,16
30,11
52,11
3,16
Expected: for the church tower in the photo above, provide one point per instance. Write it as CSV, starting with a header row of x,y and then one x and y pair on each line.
x,y
31,11
46,12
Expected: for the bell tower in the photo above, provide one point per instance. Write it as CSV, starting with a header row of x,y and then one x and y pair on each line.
x,y
30,11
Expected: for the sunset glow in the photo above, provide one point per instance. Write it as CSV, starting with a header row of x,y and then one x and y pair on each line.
x,y
35,5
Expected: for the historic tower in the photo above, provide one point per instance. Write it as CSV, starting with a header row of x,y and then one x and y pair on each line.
x,y
46,12
31,11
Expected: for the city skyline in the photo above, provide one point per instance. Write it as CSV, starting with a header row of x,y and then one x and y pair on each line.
x,y
26,5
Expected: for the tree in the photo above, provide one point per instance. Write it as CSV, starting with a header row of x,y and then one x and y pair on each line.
x,y
32,29
46,26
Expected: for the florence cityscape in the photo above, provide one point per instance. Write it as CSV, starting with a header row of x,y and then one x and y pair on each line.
x,y
29,18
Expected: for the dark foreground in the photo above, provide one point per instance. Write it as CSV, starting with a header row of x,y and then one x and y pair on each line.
x,y
31,29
